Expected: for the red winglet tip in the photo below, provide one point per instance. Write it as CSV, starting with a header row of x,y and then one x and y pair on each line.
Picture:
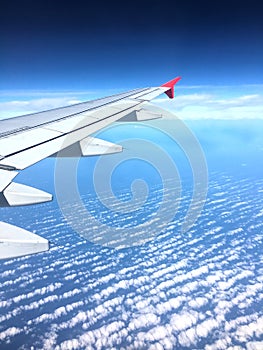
x,y
170,84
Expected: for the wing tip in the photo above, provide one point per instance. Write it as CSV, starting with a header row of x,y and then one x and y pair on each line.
x,y
170,84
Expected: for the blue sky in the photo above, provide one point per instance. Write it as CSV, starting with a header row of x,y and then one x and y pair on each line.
x,y
84,45
55,54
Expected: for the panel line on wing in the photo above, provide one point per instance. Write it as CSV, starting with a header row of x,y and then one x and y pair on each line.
x,y
68,132
6,124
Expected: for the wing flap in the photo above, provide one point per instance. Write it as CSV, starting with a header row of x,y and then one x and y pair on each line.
x,y
27,146
140,115
18,194
25,140
92,146
31,155
15,242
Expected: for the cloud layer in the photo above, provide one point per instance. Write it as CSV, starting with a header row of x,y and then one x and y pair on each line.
x,y
196,102
203,289
213,106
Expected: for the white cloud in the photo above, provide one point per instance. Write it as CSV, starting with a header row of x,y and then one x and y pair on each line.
x,y
213,106
206,327
221,344
144,320
10,332
193,102
255,345
248,331
169,305
184,320
21,107
15,103
149,303
188,338
198,302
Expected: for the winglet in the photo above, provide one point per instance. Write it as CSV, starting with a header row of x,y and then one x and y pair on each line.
x,y
170,84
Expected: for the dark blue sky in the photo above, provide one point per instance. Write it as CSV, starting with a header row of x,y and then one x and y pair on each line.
x,y
84,45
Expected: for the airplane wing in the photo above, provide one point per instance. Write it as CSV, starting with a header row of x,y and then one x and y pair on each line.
x,y
25,140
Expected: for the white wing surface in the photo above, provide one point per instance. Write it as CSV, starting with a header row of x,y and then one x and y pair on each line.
x,y
26,140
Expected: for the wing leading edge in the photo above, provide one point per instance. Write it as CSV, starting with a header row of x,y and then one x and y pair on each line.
x,y
28,139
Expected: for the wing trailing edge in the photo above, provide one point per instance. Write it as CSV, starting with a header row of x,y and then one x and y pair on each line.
x,y
16,241
26,140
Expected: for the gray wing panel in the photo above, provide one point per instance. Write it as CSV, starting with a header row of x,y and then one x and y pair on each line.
x,y
24,148
21,123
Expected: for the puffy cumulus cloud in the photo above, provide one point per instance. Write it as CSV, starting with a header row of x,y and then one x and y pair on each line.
x,y
159,337
184,320
221,344
53,316
36,304
238,321
188,338
72,344
196,274
50,339
5,303
206,327
7,273
144,320
198,302
245,333
40,291
254,345
10,332
50,316
190,286
105,336
169,305
223,307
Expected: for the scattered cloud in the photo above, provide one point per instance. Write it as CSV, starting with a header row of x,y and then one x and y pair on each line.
x,y
193,102
21,107
212,106
176,291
